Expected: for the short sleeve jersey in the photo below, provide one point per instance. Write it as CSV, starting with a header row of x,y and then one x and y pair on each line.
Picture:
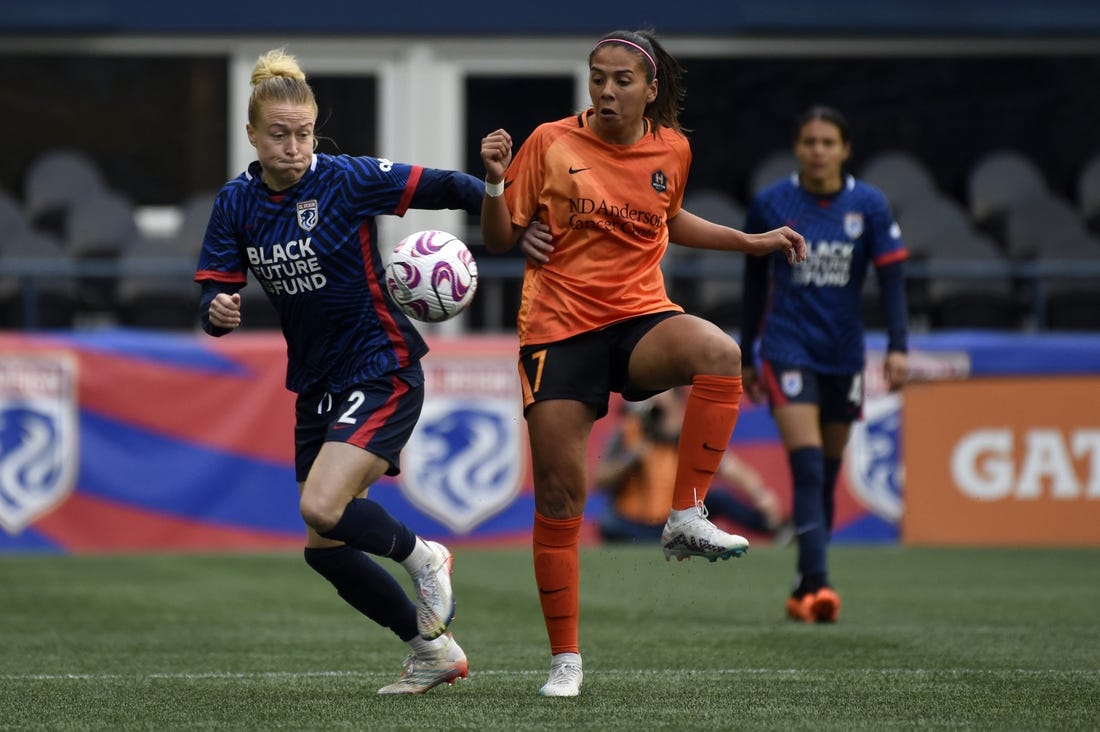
x,y
814,314
607,207
313,248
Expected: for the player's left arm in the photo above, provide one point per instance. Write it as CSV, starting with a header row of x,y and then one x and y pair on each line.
x,y
438,189
689,230
889,254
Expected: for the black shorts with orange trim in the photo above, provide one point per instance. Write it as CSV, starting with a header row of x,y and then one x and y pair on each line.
x,y
378,416
586,367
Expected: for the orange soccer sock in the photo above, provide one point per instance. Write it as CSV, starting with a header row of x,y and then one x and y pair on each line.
x,y
557,575
709,419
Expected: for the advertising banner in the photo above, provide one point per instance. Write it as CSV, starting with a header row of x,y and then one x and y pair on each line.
x,y
125,441
1003,461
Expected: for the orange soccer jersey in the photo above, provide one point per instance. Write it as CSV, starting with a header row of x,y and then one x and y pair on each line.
x,y
608,208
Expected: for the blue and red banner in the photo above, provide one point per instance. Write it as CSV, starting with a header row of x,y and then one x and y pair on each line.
x,y
132,441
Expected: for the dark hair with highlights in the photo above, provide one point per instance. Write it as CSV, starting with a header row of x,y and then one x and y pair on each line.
x,y
665,109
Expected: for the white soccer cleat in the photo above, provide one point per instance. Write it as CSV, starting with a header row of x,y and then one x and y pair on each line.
x,y
435,599
695,536
421,673
566,676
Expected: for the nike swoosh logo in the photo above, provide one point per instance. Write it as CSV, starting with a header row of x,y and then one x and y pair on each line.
x,y
574,171
713,449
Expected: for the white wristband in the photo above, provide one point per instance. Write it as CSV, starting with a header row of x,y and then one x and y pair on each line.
x,y
494,190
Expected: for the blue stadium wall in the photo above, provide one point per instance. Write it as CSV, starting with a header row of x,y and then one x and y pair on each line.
x,y
774,17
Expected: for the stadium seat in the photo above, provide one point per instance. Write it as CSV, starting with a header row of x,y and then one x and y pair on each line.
x,y
47,300
774,167
1088,193
902,177
713,286
969,283
156,288
195,217
998,182
101,228
13,221
1041,226
1048,232
929,224
979,293
54,181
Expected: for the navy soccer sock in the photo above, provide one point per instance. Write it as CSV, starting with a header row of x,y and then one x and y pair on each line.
x,y
366,525
367,587
832,470
808,472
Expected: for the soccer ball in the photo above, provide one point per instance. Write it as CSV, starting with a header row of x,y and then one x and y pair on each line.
x,y
432,276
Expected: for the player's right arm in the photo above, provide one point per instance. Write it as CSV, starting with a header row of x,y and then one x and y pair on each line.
x,y
219,307
220,273
497,229
754,301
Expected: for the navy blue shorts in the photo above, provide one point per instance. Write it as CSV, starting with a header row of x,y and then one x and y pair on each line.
x,y
587,367
838,396
378,416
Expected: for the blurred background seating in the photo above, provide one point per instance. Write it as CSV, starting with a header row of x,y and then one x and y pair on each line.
x,y
965,143
1014,255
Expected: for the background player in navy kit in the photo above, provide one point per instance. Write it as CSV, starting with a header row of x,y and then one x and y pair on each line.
x,y
812,346
304,224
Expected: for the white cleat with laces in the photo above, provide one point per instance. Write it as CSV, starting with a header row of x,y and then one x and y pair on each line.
x,y
423,672
689,534
566,676
435,599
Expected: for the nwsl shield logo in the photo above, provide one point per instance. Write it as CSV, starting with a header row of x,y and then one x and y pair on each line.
x,y
38,436
465,460
873,459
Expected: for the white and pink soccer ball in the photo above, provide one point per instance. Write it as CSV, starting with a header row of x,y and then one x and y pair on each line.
x,y
432,276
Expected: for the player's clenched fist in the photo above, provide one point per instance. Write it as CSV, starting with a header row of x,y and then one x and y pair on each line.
x,y
225,310
496,154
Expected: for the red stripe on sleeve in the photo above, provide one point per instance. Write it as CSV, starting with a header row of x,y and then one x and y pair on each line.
x,y
410,189
217,276
898,255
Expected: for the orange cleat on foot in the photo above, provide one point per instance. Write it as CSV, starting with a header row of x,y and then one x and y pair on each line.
x,y
826,605
801,608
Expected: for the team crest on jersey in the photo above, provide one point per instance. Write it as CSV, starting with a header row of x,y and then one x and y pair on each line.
x,y
38,436
659,181
853,224
465,460
791,383
307,214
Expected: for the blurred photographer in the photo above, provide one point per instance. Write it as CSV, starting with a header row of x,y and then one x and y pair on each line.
x,y
639,467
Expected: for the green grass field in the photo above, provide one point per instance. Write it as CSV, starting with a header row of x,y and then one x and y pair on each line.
x,y
1006,639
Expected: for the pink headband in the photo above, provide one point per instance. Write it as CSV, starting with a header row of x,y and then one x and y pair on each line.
x,y
633,45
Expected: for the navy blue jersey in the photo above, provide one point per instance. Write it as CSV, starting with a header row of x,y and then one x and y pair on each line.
x,y
314,250
813,316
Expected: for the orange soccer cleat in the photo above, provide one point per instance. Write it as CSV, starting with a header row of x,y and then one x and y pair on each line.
x,y
826,605
801,608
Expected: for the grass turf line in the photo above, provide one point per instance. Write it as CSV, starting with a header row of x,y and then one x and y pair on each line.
x,y
980,639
